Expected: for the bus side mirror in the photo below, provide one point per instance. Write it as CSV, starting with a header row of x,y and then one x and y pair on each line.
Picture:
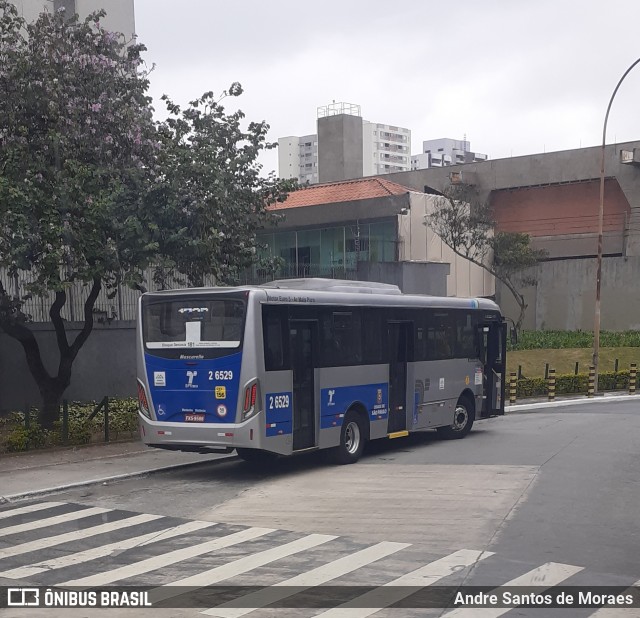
x,y
514,337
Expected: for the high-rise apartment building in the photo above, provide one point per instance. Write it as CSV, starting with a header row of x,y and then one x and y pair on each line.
x,y
444,152
345,147
120,13
298,158
387,149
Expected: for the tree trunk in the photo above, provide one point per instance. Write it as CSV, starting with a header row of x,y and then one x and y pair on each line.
x,y
523,309
52,387
49,411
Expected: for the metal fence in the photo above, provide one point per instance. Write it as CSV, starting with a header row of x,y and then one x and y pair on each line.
x,y
123,304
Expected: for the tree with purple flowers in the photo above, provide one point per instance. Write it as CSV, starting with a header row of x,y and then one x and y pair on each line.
x,y
94,191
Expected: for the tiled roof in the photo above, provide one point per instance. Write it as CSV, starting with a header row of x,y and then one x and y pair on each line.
x,y
346,191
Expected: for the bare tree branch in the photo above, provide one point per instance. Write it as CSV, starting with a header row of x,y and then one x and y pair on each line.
x,y
465,224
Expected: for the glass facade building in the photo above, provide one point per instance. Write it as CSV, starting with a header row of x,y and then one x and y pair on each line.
x,y
329,251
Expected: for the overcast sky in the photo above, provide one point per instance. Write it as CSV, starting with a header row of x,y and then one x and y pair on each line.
x,y
517,77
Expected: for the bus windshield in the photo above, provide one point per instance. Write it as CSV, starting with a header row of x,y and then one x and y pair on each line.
x,y
195,322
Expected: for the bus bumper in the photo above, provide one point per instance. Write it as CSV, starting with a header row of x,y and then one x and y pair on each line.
x,y
201,437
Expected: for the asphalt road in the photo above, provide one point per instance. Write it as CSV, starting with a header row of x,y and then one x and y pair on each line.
x,y
543,498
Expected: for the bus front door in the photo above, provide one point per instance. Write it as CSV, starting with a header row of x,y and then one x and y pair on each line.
x,y
302,337
399,333
493,349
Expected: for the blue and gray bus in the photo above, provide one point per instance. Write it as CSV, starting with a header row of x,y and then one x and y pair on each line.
x,y
306,364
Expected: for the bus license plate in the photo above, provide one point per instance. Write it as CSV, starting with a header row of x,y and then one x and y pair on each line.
x,y
194,418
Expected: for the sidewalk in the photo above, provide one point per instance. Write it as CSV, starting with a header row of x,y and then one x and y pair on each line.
x,y
41,472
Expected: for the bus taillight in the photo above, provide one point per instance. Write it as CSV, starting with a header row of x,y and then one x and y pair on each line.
x,y
250,399
142,400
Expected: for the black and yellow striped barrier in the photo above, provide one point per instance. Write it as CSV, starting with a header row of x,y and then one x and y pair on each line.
x,y
513,387
633,374
551,384
592,381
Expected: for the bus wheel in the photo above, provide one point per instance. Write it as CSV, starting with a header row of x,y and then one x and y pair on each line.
x,y
254,455
462,421
352,437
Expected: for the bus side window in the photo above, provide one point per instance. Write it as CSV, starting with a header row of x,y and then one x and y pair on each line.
x,y
373,336
466,336
347,340
274,358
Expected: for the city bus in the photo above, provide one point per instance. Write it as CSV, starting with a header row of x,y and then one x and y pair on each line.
x,y
313,364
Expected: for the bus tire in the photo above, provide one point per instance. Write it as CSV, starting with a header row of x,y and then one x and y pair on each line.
x,y
352,438
463,421
254,455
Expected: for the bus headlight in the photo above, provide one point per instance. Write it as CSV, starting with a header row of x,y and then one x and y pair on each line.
x,y
143,403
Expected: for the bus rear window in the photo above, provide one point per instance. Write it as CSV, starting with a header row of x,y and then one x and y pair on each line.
x,y
193,323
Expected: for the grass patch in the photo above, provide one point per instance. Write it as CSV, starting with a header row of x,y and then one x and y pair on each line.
x,y
564,360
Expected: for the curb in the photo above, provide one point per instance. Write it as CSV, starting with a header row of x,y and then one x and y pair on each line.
x,y
569,402
118,477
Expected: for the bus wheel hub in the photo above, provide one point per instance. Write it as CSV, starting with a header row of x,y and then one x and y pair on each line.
x,y
461,418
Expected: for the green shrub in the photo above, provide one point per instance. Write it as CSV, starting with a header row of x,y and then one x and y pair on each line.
x,y
21,439
552,339
570,384
123,419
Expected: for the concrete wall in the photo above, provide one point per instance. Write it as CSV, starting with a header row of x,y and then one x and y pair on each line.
x,y
564,297
339,148
104,366
570,167
410,277
420,243
120,14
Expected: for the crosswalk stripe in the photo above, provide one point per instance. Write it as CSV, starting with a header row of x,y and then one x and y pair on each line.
x,y
237,567
52,521
546,576
315,577
76,535
166,559
616,612
427,575
105,550
30,508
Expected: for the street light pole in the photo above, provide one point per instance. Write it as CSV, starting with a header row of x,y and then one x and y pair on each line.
x,y
596,326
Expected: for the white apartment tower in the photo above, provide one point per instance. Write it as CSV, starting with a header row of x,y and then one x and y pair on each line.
x,y
345,147
120,13
298,158
386,148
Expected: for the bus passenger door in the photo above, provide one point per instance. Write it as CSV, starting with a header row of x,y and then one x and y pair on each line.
x,y
399,333
302,337
493,350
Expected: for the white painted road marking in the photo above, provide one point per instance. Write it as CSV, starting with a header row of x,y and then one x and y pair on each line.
x,y
238,567
427,575
70,537
31,508
52,521
166,559
105,550
546,576
315,577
